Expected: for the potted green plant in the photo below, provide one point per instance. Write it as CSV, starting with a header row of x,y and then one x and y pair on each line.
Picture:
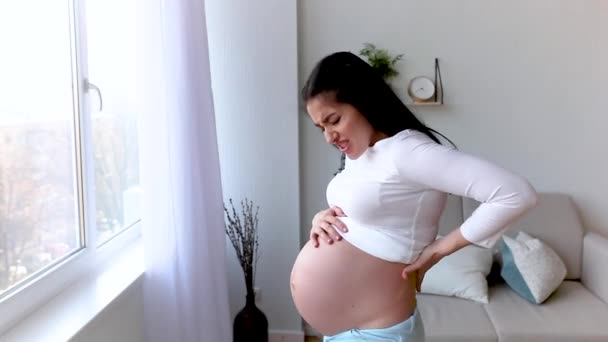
x,y
381,60
250,324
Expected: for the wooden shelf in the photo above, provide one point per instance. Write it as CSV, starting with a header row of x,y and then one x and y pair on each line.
x,y
423,104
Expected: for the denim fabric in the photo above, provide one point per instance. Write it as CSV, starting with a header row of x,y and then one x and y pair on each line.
x,y
410,330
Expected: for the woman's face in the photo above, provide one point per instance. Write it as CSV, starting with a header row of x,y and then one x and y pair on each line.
x,y
342,125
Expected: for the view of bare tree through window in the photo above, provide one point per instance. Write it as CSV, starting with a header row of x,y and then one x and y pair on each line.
x,y
41,197
116,174
38,215
40,204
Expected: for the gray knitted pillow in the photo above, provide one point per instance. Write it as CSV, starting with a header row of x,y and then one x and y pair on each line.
x,y
530,267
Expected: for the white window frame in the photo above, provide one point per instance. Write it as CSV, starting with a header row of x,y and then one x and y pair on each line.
x,y
92,259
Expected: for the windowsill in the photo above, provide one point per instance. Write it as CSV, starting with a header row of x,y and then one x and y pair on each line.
x,y
69,312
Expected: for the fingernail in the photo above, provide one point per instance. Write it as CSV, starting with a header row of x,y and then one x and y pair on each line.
x,y
329,241
344,230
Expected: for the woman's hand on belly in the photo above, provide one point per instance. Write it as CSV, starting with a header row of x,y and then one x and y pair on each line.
x,y
325,224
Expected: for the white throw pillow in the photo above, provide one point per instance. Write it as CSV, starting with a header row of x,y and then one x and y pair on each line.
x,y
531,268
461,274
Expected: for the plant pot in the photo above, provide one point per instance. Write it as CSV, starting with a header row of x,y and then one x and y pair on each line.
x,y
250,324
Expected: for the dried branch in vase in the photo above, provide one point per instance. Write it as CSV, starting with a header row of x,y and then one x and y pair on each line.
x,y
243,233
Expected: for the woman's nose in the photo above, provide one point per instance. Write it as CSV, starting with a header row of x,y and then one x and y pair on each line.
x,y
330,136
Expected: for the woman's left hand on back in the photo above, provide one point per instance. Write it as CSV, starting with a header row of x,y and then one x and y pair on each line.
x,y
427,259
434,252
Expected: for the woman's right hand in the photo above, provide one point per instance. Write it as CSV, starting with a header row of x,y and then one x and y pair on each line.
x,y
325,224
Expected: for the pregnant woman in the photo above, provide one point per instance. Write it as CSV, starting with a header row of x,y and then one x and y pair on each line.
x,y
357,277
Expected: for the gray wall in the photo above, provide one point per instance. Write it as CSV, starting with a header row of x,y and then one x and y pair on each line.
x,y
525,85
253,51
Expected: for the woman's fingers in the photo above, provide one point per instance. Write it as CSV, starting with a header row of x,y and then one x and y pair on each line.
x,y
413,267
337,224
325,226
338,211
330,231
318,235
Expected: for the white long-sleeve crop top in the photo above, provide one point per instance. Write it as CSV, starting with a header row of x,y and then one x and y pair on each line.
x,y
393,196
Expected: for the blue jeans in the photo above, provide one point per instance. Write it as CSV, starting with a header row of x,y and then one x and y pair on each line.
x,y
410,330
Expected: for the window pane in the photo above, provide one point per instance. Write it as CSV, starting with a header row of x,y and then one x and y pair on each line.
x,y
111,66
39,192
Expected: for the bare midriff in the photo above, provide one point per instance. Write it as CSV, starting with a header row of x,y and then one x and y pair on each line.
x,y
339,287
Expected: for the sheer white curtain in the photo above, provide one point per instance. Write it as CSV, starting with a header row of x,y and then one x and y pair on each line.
x,y
185,287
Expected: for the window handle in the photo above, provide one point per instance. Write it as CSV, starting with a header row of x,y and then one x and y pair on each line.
x,y
90,86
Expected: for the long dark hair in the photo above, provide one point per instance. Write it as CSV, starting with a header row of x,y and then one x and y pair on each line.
x,y
351,80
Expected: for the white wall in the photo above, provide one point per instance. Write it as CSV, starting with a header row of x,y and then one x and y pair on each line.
x,y
526,84
253,52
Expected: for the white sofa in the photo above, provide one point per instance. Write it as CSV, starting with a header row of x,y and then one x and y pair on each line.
x,y
577,311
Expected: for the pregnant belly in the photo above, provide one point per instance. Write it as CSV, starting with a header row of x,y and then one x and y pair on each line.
x,y
339,287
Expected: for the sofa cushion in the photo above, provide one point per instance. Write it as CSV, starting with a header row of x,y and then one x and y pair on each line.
x,y
595,259
455,320
461,274
571,314
530,267
555,221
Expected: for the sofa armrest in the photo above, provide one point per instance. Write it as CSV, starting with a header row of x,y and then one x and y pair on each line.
x,y
595,265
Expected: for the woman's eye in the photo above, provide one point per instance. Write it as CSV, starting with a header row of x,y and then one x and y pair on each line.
x,y
335,122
